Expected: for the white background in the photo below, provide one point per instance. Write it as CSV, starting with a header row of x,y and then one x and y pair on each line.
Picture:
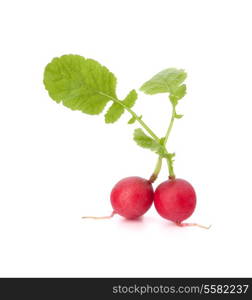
x,y
57,165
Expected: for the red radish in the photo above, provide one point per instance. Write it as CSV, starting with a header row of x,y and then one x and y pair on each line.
x,y
131,197
175,200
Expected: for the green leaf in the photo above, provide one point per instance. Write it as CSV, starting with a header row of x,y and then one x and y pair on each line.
x,y
130,99
116,110
177,93
144,140
162,140
114,113
164,81
178,116
80,83
147,142
133,119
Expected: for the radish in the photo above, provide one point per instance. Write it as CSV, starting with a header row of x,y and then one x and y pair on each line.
x,y
175,200
84,84
131,197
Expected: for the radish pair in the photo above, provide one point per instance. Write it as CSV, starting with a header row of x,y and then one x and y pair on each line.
x,y
174,199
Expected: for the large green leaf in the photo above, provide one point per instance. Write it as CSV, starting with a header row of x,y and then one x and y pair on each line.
x,y
80,83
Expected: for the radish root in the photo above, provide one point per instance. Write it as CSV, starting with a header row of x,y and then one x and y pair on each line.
x,y
193,224
100,218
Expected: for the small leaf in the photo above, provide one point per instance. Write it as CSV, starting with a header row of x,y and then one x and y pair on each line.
x,y
164,81
116,110
177,93
133,119
144,140
147,142
178,116
114,113
162,140
130,99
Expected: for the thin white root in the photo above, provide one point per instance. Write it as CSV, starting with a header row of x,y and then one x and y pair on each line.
x,y
100,218
193,224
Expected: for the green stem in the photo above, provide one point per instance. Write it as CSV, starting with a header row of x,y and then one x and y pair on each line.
x,y
151,133
138,119
170,125
169,157
156,170
170,168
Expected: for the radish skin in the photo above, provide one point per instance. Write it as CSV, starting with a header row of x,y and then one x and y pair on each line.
x,y
175,200
131,197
